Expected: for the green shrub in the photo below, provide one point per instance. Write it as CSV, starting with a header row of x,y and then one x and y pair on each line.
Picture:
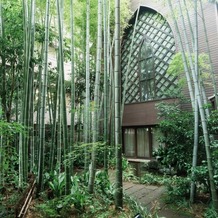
x,y
210,213
178,188
151,179
177,139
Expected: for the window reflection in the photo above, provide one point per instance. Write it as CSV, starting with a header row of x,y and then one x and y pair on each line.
x,y
140,142
146,71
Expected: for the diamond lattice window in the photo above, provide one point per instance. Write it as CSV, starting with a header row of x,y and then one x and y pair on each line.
x,y
144,75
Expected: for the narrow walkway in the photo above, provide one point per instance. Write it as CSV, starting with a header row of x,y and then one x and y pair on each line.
x,y
150,196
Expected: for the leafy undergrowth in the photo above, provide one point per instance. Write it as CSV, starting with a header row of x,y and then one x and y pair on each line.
x,y
176,197
10,199
79,203
95,210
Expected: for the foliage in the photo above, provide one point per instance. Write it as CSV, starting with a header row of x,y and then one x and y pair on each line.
x,y
78,153
78,193
138,209
103,185
57,183
201,177
177,138
152,179
8,152
177,189
11,55
128,170
213,122
214,149
80,24
176,67
10,129
210,213
8,204
79,203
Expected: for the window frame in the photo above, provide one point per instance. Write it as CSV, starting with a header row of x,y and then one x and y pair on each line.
x,y
146,81
150,141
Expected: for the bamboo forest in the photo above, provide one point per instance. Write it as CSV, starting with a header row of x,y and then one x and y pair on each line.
x,y
109,108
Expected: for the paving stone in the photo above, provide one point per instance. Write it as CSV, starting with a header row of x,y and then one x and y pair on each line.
x,y
150,197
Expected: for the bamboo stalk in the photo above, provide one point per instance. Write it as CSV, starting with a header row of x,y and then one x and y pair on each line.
x,y
96,100
117,90
43,103
87,93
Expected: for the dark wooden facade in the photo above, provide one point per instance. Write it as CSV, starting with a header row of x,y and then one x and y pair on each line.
x,y
144,113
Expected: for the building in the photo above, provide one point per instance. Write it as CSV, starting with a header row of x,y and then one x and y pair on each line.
x,y
148,46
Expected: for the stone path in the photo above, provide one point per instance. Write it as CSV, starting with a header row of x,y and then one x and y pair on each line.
x,y
150,197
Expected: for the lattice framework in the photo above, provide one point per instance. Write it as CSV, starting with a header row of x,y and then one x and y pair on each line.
x,y
156,29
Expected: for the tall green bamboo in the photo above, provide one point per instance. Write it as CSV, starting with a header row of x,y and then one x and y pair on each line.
x,y
106,74
1,162
72,130
195,148
1,138
185,61
26,84
43,102
195,107
27,92
112,97
187,5
63,99
59,131
1,19
117,81
87,93
38,105
55,143
210,58
31,87
201,110
96,100
53,134
3,66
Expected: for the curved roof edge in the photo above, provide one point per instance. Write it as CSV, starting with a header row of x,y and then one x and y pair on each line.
x,y
151,8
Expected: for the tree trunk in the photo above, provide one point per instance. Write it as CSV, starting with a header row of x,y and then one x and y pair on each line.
x,y
87,98
106,74
117,72
43,103
72,130
63,98
201,109
96,100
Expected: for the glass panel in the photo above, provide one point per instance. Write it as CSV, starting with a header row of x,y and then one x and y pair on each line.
x,y
144,95
147,90
143,51
143,69
146,65
148,50
143,143
129,142
150,64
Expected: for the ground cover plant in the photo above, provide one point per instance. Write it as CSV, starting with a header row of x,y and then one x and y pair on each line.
x,y
79,203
